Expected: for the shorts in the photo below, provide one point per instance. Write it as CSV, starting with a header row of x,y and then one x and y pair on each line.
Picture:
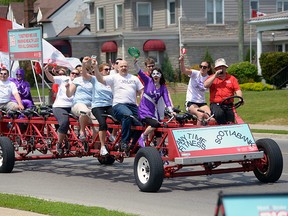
x,y
76,108
9,106
189,103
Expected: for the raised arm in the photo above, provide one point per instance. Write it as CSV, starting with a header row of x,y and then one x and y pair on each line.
x,y
182,66
48,74
98,75
85,68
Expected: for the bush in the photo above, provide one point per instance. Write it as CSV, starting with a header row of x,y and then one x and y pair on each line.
x,y
168,70
256,87
244,72
208,57
271,63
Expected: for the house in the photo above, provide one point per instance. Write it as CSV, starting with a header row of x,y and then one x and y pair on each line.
x,y
160,27
62,21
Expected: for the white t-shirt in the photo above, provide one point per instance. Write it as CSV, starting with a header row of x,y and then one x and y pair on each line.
x,y
61,98
124,88
7,88
196,90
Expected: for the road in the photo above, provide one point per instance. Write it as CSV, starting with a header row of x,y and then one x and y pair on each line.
x,y
85,181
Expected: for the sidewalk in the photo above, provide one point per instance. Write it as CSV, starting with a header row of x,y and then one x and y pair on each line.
x,y
270,127
16,212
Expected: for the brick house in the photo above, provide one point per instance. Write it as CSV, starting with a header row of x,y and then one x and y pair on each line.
x,y
159,27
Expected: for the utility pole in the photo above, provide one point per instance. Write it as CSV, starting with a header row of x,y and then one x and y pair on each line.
x,y
241,30
28,12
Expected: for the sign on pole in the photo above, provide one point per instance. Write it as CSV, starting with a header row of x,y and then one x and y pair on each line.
x,y
25,44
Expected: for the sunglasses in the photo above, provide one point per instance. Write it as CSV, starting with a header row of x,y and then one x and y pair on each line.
x,y
77,74
116,63
107,69
202,66
3,74
156,73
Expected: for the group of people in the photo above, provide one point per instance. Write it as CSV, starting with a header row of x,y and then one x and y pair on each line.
x,y
91,90
14,92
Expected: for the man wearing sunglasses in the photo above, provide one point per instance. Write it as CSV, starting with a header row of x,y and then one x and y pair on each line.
x,y
195,96
23,89
115,66
7,89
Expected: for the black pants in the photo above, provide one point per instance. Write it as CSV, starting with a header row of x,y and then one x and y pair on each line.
x,y
223,115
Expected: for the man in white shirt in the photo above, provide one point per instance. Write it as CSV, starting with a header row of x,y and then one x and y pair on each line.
x,y
7,89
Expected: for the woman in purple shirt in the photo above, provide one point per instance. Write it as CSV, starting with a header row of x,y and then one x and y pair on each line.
x,y
154,88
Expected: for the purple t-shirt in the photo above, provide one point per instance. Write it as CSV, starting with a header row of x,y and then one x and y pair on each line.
x,y
147,108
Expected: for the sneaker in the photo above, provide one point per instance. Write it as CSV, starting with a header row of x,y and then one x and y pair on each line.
x,y
59,148
112,138
103,151
141,141
123,147
82,138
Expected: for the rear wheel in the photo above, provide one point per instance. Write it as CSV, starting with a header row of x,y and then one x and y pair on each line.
x,y
271,166
148,169
7,155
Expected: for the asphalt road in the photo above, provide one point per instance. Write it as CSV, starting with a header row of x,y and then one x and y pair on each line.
x,y
85,181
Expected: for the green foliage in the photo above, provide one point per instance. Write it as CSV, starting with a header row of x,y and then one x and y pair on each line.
x,y
42,206
271,63
256,87
247,58
168,70
208,57
244,72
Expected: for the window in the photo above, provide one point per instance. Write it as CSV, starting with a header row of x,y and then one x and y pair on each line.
x,y
143,14
253,6
214,11
282,5
118,16
100,18
281,48
171,12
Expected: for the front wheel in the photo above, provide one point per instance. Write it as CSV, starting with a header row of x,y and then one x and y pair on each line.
x,y
271,166
148,169
7,155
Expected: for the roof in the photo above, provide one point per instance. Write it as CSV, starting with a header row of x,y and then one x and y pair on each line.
x,y
18,11
274,17
3,11
48,8
72,31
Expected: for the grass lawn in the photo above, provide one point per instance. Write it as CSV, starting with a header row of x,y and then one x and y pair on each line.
x,y
54,208
265,107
